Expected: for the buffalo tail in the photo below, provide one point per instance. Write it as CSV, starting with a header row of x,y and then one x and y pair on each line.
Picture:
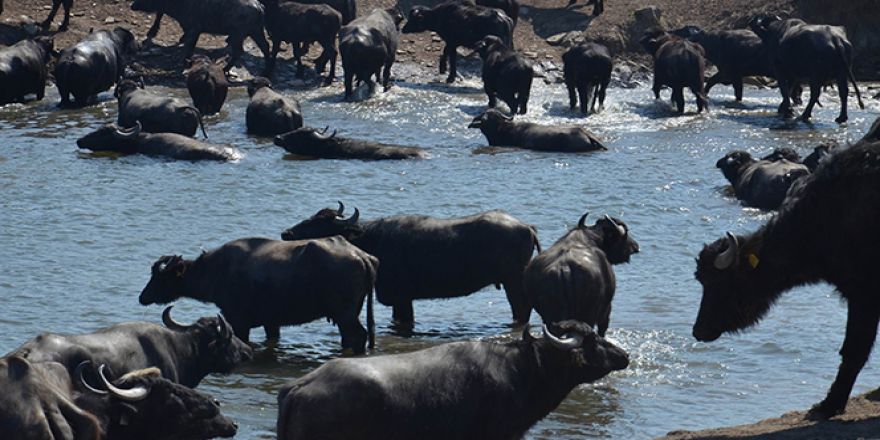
x,y
847,61
535,238
201,124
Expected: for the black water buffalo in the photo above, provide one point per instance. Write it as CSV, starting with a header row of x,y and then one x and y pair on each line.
x,y
784,153
760,183
156,114
368,46
813,53
348,8
207,84
93,65
460,390
184,353
510,7
142,405
270,113
502,131
744,275
271,283
573,279
423,257
307,141
133,140
237,19
301,24
23,69
819,154
506,74
587,71
55,5
678,63
459,23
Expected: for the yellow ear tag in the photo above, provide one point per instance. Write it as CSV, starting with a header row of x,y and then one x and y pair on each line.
x,y
753,261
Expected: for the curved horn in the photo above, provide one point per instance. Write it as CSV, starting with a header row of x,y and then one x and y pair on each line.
x,y
327,127
565,343
224,327
341,208
129,133
333,135
508,118
728,257
353,219
171,323
131,395
78,373
620,229
583,218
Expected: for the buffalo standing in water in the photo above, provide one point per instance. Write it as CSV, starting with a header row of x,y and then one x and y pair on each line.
x,y
301,24
827,232
369,46
460,390
111,137
23,69
503,131
93,65
573,279
207,84
506,74
587,70
307,141
678,63
422,257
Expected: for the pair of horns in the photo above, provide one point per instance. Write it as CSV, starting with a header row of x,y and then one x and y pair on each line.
x,y
135,394
620,229
323,133
565,342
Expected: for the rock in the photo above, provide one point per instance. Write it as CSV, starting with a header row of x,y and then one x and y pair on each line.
x,y
643,19
109,20
530,54
567,39
436,39
556,40
549,66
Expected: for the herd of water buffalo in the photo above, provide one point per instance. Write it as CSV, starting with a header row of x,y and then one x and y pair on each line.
x,y
132,380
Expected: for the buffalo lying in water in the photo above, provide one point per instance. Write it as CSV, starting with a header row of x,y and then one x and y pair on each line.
x,y
157,114
308,141
761,183
134,140
502,131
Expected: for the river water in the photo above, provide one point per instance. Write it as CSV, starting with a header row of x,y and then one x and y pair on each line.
x,y
80,232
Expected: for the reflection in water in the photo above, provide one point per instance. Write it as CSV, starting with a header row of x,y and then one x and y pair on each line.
x,y
81,231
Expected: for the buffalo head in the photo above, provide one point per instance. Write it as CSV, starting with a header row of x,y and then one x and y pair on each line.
x,y
257,84
689,32
396,16
818,155
761,24
305,136
487,45
417,21
653,38
125,38
784,153
326,223
617,244
490,121
726,269
732,164
590,355
219,349
111,137
166,280
126,86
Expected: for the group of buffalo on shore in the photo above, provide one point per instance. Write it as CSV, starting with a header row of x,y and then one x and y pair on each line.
x,y
134,380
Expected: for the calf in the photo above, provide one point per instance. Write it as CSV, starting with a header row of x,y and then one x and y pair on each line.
x,y
93,65
760,183
134,140
587,71
459,23
270,113
269,283
206,83
506,74
459,390
300,24
573,279
156,114
23,69
502,131
307,141
678,63
368,46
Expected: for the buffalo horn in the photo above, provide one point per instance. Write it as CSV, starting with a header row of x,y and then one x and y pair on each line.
x,y
332,135
327,127
620,229
565,342
583,219
509,118
78,373
224,326
171,323
341,208
729,256
131,395
129,133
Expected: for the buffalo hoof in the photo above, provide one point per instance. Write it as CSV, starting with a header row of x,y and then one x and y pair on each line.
x,y
823,411
327,82
841,119
450,79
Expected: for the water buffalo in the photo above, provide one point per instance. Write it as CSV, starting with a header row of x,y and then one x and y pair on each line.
x,y
509,7
506,74
368,46
23,69
111,137
573,279
237,19
93,65
502,131
459,23
206,83
55,5
812,53
301,24
307,141
678,63
271,283
142,405
760,183
587,71
744,275
819,154
423,257
156,114
184,353
270,113
460,390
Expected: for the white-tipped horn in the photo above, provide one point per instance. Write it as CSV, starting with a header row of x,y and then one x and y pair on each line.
x,y
78,373
620,229
730,255
131,395
565,342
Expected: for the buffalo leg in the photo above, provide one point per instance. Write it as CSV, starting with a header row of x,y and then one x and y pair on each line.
x,y
702,103
270,61
656,87
795,94
348,79
785,89
190,39
451,54
48,21
273,332
815,91
241,331
402,314
66,22
386,77
602,91
442,61
583,96
737,89
678,98
235,44
843,92
519,303
602,326
490,93
354,335
524,99
260,39
572,95
154,29
714,79
331,48
861,331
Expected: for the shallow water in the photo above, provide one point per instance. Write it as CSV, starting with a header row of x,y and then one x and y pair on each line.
x,y
80,232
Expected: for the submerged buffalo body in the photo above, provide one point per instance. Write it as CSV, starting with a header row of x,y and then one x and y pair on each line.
x,y
307,141
760,183
422,257
503,131
156,114
460,390
23,69
111,137
270,283
93,65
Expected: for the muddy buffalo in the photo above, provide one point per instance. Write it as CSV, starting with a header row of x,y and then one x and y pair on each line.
x,y
23,69
503,131
369,46
308,141
506,74
156,114
112,137
93,65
